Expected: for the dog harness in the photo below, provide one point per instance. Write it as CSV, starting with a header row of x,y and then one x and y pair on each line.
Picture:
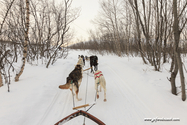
x,y
97,75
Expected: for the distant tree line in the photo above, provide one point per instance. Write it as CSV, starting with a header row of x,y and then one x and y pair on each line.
x,y
156,30
107,47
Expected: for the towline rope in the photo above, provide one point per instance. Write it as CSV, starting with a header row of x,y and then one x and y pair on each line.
x,y
85,97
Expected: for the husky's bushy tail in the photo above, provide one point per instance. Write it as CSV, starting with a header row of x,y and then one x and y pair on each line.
x,y
65,86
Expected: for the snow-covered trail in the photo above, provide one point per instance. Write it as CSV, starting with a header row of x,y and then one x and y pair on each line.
x,y
134,92
123,105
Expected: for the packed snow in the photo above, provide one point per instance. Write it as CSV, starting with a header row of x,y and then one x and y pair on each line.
x,y
136,94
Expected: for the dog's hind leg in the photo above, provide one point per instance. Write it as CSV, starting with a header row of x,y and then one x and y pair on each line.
x,y
104,95
97,94
77,91
79,99
96,88
72,92
104,87
79,82
100,89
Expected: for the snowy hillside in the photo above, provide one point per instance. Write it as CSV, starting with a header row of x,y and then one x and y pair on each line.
x,y
135,93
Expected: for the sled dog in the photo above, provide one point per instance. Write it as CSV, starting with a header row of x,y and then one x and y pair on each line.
x,y
83,59
87,58
100,81
80,61
73,81
94,62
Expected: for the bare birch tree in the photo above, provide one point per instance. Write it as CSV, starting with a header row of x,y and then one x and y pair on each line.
x,y
26,41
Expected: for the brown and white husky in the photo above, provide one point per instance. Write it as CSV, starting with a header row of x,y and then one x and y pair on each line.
x,y
73,81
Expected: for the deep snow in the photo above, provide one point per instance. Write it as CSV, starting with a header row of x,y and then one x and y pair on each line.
x,y
134,92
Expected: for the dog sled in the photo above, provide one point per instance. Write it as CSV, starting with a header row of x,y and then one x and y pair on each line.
x,y
78,113
81,112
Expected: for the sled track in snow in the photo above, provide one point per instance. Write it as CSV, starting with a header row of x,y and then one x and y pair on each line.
x,y
54,103
49,108
132,92
58,98
122,87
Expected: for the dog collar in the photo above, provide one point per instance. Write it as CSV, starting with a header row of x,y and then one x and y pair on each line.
x,y
71,81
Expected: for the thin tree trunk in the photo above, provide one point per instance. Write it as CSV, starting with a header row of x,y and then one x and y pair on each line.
x,y
172,63
140,48
176,48
118,47
6,16
1,80
15,52
179,62
173,76
164,51
141,51
26,41
116,30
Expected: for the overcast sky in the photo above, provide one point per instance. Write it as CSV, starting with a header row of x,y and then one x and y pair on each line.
x,y
89,9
